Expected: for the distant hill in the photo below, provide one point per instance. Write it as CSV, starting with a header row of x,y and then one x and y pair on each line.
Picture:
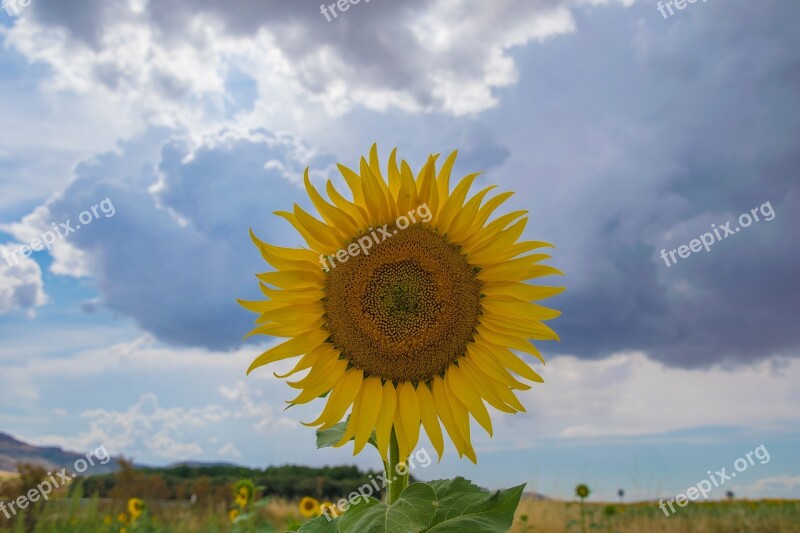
x,y
13,452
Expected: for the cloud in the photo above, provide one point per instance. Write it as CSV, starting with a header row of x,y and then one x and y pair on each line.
x,y
229,451
144,428
640,144
768,487
21,286
172,58
179,228
629,396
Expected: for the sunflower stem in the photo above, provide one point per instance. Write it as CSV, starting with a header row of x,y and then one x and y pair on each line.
x,y
397,478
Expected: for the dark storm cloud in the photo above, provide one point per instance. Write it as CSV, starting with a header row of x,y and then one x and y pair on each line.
x,y
644,137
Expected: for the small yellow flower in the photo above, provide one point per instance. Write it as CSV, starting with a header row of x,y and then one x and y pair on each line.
x,y
327,508
122,518
107,520
244,493
309,507
135,508
233,514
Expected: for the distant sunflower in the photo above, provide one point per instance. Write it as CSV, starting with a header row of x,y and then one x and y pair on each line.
x,y
328,508
418,329
244,492
135,508
309,507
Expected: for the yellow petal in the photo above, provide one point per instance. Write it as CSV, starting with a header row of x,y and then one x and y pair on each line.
x,y
491,232
487,364
318,373
467,396
356,212
461,416
510,361
285,258
285,330
354,182
329,236
291,279
527,329
407,195
332,214
340,399
446,415
369,404
520,291
305,362
383,427
299,295
488,208
455,202
329,380
394,174
429,419
410,414
374,195
479,382
426,185
460,229
443,180
291,348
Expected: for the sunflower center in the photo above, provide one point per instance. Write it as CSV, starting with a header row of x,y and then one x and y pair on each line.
x,y
406,310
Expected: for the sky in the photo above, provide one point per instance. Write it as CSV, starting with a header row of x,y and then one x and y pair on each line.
x,y
166,130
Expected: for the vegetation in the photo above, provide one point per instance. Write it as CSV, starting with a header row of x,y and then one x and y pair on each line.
x,y
237,500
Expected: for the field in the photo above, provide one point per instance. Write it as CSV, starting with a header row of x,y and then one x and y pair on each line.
x,y
773,516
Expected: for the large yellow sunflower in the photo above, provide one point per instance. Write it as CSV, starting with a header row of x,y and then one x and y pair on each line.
x,y
421,326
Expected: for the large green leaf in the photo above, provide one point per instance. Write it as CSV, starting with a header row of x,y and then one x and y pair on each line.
x,y
320,524
462,506
412,513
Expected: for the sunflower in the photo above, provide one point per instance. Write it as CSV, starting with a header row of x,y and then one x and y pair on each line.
x,y
244,492
233,514
418,328
328,508
582,491
309,507
135,508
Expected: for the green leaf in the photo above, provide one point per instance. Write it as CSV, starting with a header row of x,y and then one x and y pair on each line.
x,y
320,524
329,437
463,506
412,513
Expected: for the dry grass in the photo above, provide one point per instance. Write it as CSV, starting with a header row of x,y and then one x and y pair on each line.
x,y
773,516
